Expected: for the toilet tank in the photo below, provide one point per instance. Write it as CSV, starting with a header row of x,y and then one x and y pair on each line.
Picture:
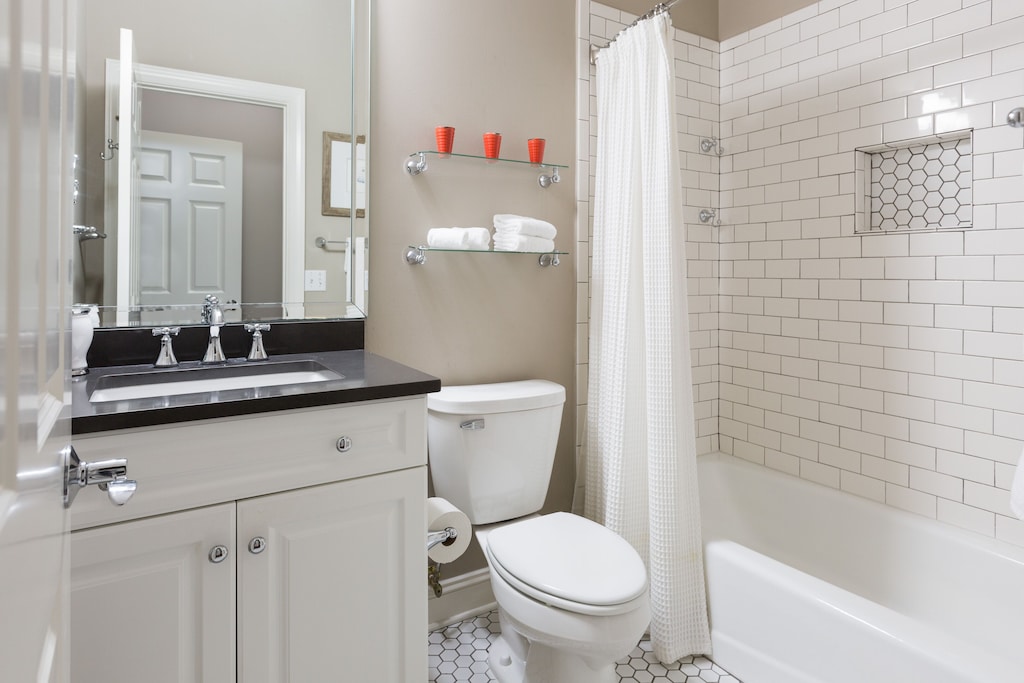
x,y
491,446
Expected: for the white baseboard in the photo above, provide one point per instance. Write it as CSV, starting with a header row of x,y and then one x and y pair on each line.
x,y
462,597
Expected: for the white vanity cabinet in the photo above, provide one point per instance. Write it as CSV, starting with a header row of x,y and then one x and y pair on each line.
x,y
279,547
147,604
326,597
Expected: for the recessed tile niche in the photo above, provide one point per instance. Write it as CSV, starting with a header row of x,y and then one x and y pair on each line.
x,y
918,184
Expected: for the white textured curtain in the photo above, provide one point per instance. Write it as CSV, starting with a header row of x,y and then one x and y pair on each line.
x,y
641,467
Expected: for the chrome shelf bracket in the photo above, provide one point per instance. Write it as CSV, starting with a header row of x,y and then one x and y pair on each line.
x,y
546,260
415,256
545,180
417,165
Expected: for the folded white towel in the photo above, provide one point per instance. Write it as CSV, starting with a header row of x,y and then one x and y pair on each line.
x,y
478,239
523,225
522,243
1017,489
447,238
470,239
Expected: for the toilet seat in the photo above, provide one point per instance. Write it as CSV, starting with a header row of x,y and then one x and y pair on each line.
x,y
569,562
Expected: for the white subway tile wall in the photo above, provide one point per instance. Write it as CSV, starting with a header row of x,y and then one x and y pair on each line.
x,y
890,365
882,364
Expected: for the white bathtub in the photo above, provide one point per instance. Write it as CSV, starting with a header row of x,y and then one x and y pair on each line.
x,y
811,585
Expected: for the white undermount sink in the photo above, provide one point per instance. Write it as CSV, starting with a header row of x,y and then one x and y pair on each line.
x,y
160,383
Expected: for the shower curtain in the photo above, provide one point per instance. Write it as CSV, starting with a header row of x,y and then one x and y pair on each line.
x,y
641,468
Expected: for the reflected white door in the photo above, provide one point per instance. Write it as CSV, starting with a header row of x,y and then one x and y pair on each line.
x,y
36,140
190,223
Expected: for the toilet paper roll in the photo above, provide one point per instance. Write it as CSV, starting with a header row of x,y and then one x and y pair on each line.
x,y
442,514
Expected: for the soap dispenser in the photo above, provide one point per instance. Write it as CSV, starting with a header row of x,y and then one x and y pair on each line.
x,y
84,319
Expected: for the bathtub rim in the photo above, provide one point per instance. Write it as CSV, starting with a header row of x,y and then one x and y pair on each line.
x,y
966,660
930,525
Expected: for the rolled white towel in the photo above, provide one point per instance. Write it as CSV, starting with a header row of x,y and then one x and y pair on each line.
x,y
447,238
1016,488
522,243
478,239
523,225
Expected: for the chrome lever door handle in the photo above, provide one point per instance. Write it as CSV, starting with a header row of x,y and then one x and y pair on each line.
x,y
120,491
110,475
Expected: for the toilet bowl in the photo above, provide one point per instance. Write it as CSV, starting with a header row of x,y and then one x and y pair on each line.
x,y
572,595
572,599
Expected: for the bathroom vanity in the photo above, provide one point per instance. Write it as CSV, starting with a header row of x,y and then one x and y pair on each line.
x,y
274,536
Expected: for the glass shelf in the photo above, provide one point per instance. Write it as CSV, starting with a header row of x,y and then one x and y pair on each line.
x,y
417,255
417,163
456,155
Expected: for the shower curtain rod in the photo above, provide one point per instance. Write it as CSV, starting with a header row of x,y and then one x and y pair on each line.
x,y
653,12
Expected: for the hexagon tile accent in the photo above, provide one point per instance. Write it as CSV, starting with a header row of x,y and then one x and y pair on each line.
x,y
922,187
459,653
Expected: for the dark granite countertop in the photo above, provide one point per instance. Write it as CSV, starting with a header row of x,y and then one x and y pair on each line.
x,y
366,377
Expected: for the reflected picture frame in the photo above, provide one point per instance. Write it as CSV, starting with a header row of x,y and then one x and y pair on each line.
x,y
344,173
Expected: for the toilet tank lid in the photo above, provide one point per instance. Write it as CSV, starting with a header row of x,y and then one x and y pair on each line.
x,y
501,397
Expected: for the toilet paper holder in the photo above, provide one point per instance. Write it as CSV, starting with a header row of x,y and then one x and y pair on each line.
x,y
445,536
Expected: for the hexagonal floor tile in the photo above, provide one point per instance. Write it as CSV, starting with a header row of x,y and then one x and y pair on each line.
x,y
459,653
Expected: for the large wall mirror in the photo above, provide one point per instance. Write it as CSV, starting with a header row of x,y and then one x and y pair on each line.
x,y
203,159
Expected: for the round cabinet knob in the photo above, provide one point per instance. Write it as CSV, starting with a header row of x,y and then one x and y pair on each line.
x,y
218,554
257,545
344,444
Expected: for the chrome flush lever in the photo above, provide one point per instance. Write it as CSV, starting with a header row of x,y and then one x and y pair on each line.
x,y
110,475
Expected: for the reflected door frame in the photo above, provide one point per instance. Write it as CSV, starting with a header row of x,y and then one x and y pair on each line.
x,y
291,101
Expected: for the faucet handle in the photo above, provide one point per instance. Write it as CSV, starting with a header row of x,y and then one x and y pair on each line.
x,y
257,352
166,358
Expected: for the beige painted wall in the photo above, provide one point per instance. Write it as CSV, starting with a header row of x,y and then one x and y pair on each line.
x,y
509,66
717,19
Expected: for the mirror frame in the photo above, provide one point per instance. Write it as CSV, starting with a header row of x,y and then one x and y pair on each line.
x,y
292,102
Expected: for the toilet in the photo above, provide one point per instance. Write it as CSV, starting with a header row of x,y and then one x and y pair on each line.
x,y
572,595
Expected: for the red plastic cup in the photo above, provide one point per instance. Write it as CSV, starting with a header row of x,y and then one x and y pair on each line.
x,y
445,136
536,149
492,145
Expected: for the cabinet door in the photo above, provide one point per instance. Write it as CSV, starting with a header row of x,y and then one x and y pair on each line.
x,y
337,593
148,604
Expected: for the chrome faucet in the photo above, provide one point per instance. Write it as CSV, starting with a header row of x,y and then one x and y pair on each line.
x,y
213,316
212,313
257,352
166,358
